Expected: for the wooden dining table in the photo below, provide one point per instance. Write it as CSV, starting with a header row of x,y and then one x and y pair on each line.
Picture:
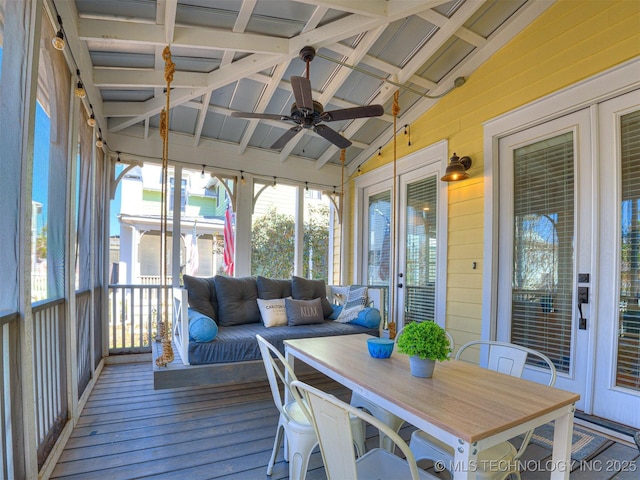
x,y
468,407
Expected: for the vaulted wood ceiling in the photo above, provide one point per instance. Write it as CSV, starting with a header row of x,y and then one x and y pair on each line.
x,y
238,55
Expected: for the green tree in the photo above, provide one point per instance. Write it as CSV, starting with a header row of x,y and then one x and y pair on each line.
x,y
272,245
273,242
316,242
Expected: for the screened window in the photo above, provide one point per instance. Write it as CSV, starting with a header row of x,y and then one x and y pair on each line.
x,y
273,231
628,364
543,256
315,261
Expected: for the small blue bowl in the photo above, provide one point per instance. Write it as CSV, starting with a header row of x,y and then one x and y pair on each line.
x,y
380,347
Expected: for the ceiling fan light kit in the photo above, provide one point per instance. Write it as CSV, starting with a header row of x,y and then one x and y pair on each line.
x,y
308,113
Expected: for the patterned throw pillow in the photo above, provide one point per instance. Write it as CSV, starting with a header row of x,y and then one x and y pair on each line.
x,y
273,312
353,304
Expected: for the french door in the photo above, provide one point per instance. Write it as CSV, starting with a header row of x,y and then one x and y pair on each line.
x,y
416,283
617,369
569,252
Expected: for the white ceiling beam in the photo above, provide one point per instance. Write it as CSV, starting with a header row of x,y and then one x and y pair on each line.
x,y
244,15
464,33
319,37
220,155
170,9
202,116
111,31
123,78
440,38
262,105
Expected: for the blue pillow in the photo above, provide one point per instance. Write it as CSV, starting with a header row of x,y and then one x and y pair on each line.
x,y
368,317
201,327
336,311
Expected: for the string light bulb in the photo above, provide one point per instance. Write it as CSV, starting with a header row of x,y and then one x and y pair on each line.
x,y
242,180
80,91
274,181
407,132
202,173
379,151
91,121
306,186
58,41
99,142
118,159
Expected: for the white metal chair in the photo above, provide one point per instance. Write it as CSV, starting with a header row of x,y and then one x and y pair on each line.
x,y
294,423
330,417
503,357
393,421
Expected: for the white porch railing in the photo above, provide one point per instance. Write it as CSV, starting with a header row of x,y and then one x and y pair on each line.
x,y
135,311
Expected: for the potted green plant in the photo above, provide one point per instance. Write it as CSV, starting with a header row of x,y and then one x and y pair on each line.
x,y
425,343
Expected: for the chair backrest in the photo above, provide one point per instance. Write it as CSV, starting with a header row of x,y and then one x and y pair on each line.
x,y
330,417
510,359
278,372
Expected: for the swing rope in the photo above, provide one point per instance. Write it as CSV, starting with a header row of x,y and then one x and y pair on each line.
x,y
164,330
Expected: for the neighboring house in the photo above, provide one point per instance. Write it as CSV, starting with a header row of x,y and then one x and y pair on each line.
x,y
202,206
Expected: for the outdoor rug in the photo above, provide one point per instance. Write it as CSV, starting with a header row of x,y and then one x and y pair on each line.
x,y
585,443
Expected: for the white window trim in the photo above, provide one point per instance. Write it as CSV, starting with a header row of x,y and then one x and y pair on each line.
x,y
596,89
437,155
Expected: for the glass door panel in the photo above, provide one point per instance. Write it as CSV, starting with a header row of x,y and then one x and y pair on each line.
x,y
420,250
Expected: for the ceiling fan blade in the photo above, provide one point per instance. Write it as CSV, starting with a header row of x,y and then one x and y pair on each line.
x,y
301,87
284,139
354,112
331,135
262,116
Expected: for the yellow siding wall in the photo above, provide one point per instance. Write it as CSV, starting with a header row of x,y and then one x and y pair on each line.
x,y
571,41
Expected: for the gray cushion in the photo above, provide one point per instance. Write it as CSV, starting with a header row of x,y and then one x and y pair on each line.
x,y
237,300
305,289
270,289
303,312
202,295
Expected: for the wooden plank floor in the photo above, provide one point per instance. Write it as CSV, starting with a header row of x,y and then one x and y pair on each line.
x,y
128,430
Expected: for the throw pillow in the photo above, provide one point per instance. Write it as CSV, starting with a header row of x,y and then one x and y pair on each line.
x,y
273,312
336,311
353,304
201,327
305,289
237,303
368,317
269,288
303,312
201,292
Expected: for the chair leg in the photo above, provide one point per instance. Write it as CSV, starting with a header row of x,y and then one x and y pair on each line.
x,y
358,433
276,446
300,448
385,442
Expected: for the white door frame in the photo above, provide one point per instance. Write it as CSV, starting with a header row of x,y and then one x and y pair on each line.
x,y
588,93
436,155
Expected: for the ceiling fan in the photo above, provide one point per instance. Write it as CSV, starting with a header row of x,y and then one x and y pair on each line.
x,y
308,113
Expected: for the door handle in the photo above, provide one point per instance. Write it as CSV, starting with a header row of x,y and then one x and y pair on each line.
x,y
583,297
